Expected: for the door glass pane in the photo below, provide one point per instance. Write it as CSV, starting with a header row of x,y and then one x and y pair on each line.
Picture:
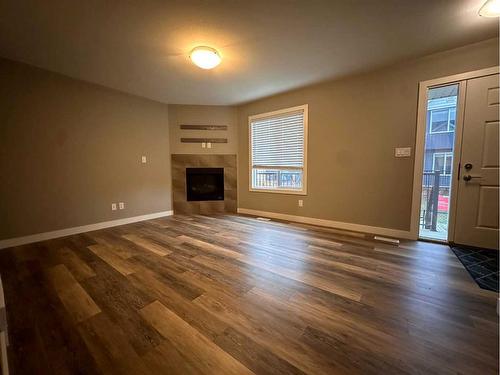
x,y
453,115
439,120
448,164
438,162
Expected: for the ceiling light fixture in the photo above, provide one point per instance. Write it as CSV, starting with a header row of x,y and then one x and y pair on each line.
x,y
491,8
205,57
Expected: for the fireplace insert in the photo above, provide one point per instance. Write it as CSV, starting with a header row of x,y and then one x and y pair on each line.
x,y
205,184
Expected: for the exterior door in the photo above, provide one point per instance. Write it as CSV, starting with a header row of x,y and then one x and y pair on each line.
x,y
476,222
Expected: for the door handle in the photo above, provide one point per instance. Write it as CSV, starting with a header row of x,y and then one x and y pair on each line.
x,y
468,177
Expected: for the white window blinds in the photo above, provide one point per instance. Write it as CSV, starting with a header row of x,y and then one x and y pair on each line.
x,y
278,141
278,151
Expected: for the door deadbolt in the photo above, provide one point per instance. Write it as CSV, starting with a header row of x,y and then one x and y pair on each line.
x,y
468,166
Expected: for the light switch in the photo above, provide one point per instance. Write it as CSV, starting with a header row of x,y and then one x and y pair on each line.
x,y
113,206
402,152
203,145
144,160
209,145
121,205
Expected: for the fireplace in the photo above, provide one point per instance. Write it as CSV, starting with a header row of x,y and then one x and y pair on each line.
x,y
205,184
186,168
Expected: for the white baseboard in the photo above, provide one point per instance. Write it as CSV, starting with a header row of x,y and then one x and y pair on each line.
x,y
396,233
17,241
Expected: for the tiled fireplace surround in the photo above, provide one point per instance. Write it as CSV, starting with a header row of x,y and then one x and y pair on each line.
x,y
182,161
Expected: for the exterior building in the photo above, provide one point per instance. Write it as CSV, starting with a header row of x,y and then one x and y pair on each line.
x,y
440,135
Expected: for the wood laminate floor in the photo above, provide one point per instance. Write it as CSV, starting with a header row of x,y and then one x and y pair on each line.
x,y
234,295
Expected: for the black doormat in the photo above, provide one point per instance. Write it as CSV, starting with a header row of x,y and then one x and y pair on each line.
x,y
482,265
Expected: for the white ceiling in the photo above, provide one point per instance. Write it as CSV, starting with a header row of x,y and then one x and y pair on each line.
x,y
268,46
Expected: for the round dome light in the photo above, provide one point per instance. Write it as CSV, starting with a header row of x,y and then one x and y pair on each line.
x,y
491,8
205,57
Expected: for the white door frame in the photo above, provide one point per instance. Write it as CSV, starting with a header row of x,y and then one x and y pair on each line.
x,y
423,88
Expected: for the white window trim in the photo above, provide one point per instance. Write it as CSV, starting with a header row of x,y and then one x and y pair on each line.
x,y
305,109
448,122
446,155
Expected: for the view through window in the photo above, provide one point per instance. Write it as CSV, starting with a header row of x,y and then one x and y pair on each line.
x,y
438,161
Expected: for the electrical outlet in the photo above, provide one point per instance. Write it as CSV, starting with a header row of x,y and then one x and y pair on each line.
x,y
144,160
209,145
121,205
203,145
301,203
113,206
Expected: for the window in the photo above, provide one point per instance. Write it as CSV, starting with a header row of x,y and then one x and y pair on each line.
x,y
443,120
278,151
443,162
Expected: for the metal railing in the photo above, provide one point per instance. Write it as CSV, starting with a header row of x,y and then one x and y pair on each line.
x,y
277,179
430,199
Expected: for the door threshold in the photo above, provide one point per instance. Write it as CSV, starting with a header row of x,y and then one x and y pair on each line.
x,y
433,240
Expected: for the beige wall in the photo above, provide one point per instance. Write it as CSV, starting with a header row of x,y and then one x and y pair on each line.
x,y
203,115
69,149
354,125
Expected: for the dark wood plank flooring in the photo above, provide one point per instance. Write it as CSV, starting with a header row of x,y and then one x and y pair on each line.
x,y
231,294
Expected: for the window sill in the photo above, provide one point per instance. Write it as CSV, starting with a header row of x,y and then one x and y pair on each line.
x,y
279,191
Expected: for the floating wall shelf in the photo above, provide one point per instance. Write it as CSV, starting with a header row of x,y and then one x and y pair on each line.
x,y
204,140
203,127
